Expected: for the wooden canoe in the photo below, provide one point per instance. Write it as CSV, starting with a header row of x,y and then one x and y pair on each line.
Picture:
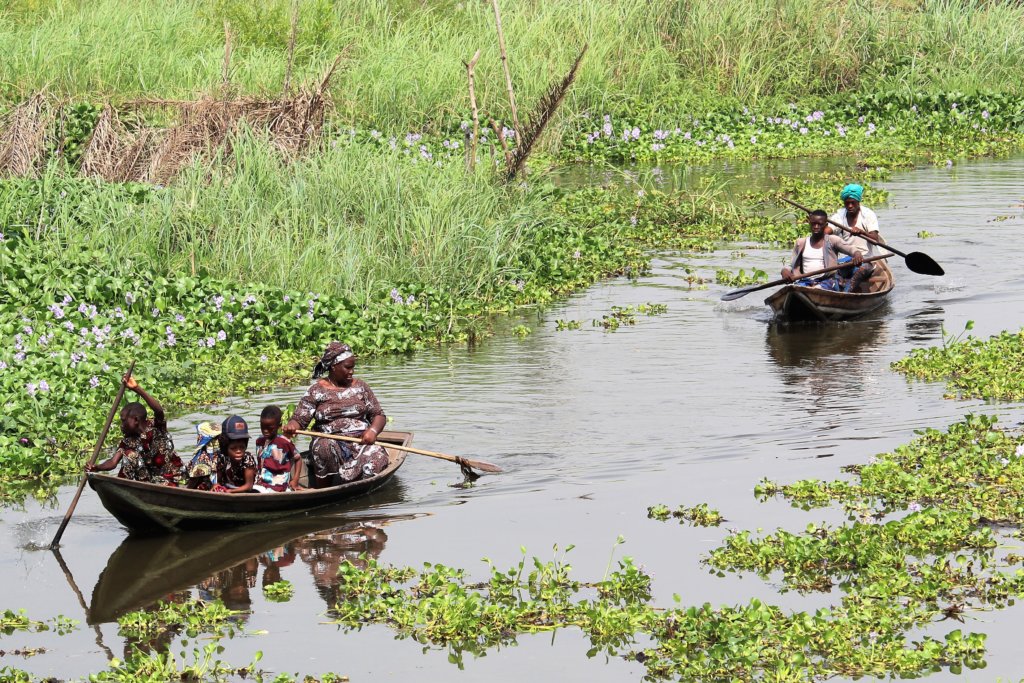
x,y
794,303
154,508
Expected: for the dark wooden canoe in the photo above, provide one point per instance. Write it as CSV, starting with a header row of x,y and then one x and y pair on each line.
x,y
794,303
153,508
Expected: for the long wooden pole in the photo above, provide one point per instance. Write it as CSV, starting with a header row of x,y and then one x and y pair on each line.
x,y
737,293
508,74
465,462
471,147
95,454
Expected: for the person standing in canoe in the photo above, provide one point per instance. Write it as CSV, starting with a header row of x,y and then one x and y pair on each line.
x,y
857,220
146,452
339,403
817,251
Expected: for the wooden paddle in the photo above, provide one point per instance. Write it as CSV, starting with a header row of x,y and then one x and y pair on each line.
x,y
464,462
916,261
95,454
737,293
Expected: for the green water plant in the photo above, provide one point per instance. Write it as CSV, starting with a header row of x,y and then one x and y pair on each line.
x,y
11,622
191,617
201,664
279,591
990,368
627,315
740,279
440,606
698,515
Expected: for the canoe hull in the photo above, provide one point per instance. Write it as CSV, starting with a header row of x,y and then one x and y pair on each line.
x,y
153,508
794,303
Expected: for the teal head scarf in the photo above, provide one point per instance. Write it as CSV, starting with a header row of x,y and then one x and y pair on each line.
x,y
852,191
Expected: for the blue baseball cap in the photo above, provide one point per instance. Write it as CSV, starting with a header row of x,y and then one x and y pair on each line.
x,y
234,428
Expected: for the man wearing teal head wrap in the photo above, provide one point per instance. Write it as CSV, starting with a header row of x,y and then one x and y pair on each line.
x,y
857,220
852,191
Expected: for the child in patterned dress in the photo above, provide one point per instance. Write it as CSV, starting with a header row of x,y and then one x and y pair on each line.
x,y
146,452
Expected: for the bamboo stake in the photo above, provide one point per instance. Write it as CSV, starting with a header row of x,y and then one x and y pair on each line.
x,y
291,46
225,71
504,145
504,65
471,147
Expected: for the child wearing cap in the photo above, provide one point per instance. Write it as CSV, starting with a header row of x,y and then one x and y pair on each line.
x,y
280,464
236,467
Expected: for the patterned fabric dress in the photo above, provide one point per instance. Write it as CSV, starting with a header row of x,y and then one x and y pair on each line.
x,y
342,410
150,457
231,474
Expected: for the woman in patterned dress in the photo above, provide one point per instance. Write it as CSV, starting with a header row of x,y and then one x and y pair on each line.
x,y
339,403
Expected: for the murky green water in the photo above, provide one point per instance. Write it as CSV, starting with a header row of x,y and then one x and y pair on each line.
x,y
696,405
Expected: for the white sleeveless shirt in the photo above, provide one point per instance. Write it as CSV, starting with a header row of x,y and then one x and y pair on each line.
x,y
813,259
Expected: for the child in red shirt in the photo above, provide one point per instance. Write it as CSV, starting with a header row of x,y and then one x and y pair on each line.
x,y
279,462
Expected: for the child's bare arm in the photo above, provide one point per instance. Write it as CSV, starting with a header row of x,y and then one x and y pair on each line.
x,y
250,479
293,483
158,410
106,465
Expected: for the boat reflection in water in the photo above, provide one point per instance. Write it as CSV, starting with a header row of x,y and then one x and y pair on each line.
x,y
821,365
227,564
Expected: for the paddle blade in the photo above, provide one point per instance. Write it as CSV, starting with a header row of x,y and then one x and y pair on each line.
x,y
737,293
480,465
923,264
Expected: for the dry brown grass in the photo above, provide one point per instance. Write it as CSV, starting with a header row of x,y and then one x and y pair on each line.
x,y
23,137
118,152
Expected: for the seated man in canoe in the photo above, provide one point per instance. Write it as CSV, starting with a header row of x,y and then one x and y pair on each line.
x,y
146,452
818,251
857,220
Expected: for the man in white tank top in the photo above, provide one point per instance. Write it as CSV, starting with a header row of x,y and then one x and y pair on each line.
x,y
818,251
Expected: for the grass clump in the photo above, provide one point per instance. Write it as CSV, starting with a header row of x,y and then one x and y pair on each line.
x,y
990,368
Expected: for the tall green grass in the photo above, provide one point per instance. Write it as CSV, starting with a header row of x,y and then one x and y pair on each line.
x,y
349,220
402,67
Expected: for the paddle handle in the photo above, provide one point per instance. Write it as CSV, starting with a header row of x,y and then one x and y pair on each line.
x,y
737,293
479,464
95,454
844,228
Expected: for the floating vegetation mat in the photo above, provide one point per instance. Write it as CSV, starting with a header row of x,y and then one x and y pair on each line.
x,y
919,548
990,368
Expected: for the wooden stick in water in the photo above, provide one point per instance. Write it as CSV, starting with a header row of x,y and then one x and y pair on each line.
x,y
95,454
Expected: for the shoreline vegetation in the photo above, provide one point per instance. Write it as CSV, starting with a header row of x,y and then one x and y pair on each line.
x,y
258,244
